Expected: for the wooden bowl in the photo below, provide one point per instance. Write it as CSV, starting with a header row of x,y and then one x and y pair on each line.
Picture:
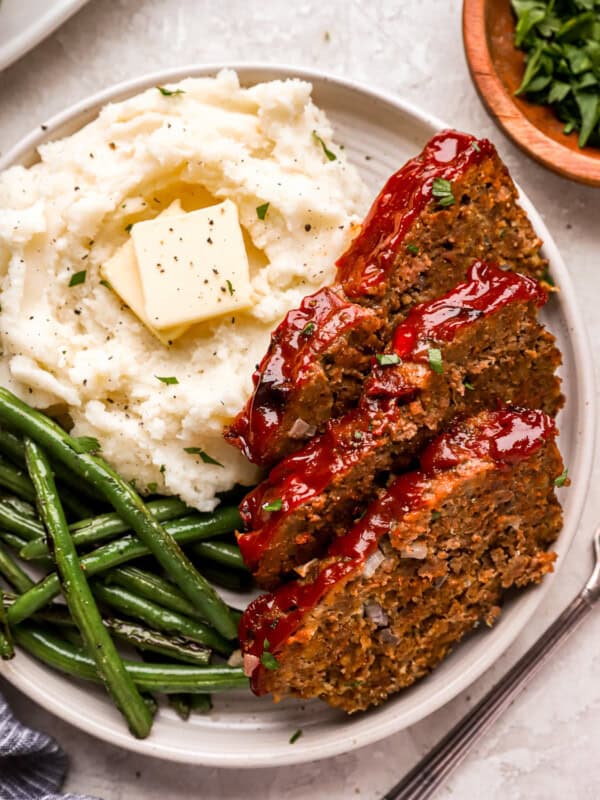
x,y
496,67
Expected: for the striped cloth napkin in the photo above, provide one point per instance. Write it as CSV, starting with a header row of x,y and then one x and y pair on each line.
x,y
32,765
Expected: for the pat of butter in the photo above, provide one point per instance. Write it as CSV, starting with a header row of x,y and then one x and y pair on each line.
x,y
192,267
121,271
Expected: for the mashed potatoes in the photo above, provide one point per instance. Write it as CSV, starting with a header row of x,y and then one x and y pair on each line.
x,y
80,347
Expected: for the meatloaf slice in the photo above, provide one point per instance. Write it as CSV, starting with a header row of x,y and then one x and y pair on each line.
x,y
431,559
453,203
315,365
478,346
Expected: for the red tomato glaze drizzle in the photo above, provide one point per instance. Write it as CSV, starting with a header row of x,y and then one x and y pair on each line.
x,y
295,345
503,437
373,253
487,289
309,471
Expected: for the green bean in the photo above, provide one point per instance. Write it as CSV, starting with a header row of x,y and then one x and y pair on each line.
x,y
16,481
20,506
118,552
237,615
6,647
145,639
125,500
107,526
55,614
160,618
159,590
12,572
167,678
180,703
111,524
228,579
7,651
222,552
151,703
200,703
16,522
80,600
13,448
12,540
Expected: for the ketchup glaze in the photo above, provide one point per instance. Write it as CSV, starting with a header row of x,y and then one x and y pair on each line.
x,y
307,472
503,437
373,253
295,345
486,290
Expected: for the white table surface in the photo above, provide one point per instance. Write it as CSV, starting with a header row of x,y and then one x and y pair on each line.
x,y
546,746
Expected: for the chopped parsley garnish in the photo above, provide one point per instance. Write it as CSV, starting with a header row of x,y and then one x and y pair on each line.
x,y
85,444
274,505
267,659
106,283
387,359
169,92
468,385
442,190
547,278
308,329
412,248
168,380
435,515
128,227
198,451
163,469
329,155
358,435
562,43
230,288
295,736
261,211
476,147
435,359
562,478
78,278
152,487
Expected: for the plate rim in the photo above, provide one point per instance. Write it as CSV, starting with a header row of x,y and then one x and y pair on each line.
x,y
25,40
346,740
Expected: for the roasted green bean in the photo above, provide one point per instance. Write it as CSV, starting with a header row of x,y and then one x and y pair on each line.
x,y
17,415
80,600
168,678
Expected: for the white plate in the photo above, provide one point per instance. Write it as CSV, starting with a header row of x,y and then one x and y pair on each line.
x,y
379,132
24,23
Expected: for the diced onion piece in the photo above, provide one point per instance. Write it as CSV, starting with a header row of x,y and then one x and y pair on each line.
x,y
250,664
372,563
302,430
303,569
375,613
414,550
236,659
387,637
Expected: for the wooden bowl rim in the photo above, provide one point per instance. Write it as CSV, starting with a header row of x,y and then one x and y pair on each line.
x,y
503,109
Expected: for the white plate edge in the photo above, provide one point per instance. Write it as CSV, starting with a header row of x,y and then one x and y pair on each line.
x,y
20,44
